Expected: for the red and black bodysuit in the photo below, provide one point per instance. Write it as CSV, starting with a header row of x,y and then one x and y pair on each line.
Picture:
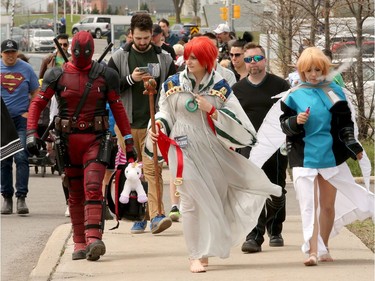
x,y
82,137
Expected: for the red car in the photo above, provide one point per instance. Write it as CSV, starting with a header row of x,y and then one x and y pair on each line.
x,y
338,48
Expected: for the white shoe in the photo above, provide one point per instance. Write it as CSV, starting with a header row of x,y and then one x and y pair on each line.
x,y
67,213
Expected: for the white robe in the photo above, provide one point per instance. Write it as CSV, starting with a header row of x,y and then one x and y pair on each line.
x,y
222,193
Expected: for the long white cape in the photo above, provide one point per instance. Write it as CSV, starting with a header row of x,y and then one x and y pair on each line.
x,y
270,138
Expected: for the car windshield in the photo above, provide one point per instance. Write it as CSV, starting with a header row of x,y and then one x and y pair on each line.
x,y
44,33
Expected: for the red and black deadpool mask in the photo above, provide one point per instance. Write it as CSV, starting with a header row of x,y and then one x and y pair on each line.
x,y
82,49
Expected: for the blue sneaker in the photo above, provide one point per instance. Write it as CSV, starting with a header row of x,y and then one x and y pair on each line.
x,y
160,223
138,227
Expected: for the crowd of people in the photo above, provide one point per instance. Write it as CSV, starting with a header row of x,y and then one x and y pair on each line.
x,y
213,93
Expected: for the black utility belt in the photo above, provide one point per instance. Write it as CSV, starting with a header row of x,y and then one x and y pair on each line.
x,y
99,124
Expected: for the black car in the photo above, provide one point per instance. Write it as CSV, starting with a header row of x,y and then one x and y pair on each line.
x,y
43,23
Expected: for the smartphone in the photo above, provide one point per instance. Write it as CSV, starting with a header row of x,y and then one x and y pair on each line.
x,y
143,69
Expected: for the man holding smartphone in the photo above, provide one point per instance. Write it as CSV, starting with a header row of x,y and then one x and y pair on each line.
x,y
130,63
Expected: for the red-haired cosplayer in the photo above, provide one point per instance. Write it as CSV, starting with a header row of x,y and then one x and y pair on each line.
x,y
222,192
83,139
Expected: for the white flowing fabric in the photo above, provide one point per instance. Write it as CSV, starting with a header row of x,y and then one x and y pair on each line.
x,y
222,193
353,202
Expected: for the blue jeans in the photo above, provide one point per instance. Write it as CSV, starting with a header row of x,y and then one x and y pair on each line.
x,y
22,165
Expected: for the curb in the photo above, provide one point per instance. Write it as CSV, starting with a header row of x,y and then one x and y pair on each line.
x,y
52,252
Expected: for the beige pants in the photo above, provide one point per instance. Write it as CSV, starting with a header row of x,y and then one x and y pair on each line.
x,y
139,136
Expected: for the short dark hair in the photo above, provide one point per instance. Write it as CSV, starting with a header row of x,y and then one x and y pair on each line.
x,y
251,45
239,44
62,36
164,21
212,37
141,21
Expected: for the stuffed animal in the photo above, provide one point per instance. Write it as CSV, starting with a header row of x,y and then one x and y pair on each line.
x,y
133,173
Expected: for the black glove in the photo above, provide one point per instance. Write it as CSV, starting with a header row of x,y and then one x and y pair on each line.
x,y
131,154
34,144
346,135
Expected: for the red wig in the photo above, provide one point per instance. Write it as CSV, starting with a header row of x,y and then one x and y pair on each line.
x,y
204,50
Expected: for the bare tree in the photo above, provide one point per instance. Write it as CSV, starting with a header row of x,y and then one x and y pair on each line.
x,y
6,4
361,10
177,7
195,5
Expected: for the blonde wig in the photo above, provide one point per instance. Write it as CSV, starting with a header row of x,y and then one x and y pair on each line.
x,y
312,56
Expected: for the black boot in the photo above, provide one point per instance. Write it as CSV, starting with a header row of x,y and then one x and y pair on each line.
x,y
7,207
21,206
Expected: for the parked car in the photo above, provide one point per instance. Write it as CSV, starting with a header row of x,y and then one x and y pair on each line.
x,y
340,42
38,40
17,34
177,29
368,41
95,24
182,30
43,23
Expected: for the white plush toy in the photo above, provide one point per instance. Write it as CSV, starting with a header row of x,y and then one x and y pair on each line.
x,y
133,173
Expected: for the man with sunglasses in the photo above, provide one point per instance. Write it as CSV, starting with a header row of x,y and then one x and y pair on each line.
x,y
56,58
255,94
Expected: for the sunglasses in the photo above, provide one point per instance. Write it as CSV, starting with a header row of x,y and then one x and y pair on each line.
x,y
64,44
235,55
256,58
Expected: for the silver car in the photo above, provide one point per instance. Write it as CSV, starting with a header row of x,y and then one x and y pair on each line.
x,y
38,40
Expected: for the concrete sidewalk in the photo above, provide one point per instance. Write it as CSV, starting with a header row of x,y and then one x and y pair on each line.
x,y
164,256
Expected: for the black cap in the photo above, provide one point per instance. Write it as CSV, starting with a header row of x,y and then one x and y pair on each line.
x,y
156,29
9,45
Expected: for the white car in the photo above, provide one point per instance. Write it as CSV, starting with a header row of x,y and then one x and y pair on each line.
x,y
40,40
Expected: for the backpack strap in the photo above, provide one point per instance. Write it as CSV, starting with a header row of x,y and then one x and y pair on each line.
x,y
96,70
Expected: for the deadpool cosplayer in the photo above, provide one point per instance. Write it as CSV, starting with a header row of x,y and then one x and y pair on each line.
x,y
83,145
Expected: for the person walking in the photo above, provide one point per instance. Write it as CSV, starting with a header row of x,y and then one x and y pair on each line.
x,y
157,34
83,87
320,136
18,84
170,38
221,191
238,65
56,58
127,62
223,35
255,94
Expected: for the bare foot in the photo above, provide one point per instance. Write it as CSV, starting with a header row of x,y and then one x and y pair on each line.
x,y
196,266
312,260
204,261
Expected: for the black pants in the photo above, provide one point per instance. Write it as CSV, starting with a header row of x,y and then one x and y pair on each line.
x,y
274,211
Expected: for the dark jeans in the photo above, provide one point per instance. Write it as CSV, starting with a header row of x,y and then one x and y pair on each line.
x,y
274,210
22,165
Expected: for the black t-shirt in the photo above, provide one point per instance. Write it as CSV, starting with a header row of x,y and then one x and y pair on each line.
x,y
141,107
256,99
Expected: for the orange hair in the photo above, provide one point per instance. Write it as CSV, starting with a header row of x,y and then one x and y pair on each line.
x,y
204,50
309,57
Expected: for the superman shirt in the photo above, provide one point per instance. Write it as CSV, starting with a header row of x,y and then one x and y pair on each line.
x,y
17,82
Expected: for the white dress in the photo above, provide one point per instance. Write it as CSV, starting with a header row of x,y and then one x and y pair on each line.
x,y
222,193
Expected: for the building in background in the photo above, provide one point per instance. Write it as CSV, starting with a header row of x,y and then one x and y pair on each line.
x,y
101,5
